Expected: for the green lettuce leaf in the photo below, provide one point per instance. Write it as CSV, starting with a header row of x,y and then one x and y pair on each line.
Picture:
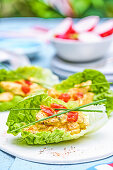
x,y
42,74
88,74
45,76
17,119
101,91
4,106
109,103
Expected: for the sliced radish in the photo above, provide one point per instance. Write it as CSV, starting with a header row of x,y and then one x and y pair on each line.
x,y
38,28
62,36
86,24
67,36
89,37
65,27
105,29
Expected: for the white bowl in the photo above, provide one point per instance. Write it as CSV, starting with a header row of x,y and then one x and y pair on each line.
x,y
77,51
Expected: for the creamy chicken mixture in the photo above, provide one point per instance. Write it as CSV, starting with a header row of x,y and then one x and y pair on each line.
x,y
72,122
22,88
80,93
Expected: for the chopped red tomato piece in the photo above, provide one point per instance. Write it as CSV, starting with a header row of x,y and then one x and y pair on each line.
x,y
57,106
72,116
49,111
25,89
28,82
65,97
78,95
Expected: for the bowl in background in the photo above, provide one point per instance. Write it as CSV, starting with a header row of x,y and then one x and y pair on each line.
x,y
77,51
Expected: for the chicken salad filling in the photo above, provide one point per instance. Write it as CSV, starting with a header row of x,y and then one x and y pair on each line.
x,y
21,88
80,93
72,121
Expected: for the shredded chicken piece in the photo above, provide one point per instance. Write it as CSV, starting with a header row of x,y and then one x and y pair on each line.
x,y
53,93
74,127
88,98
6,97
86,84
13,87
35,87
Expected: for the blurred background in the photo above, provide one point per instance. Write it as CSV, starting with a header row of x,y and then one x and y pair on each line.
x,y
25,24
56,8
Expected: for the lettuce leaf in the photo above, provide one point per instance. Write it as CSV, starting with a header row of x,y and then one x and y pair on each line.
x,y
26,116
109,103
88,74
41,74
4,106
101,91
45,76
17,119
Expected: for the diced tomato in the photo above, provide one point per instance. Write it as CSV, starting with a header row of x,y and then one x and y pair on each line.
x,y
72,116
65,97
25,89
28,82
49,111
57,106
18,82
78,95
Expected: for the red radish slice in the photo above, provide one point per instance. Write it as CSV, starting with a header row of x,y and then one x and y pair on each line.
x,y
86,24
65,27
62,36
105,29
38,28
68,36
89,37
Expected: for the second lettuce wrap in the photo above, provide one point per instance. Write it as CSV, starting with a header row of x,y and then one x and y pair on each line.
x,y
44,76
101,87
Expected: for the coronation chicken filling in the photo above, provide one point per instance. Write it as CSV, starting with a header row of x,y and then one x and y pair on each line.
x,y
80,93
59,122
22,88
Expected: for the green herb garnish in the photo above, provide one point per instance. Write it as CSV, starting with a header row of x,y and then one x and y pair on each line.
x,y
95,84
82,110
66,111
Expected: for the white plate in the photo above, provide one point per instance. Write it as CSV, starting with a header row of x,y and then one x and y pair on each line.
x,y
88,148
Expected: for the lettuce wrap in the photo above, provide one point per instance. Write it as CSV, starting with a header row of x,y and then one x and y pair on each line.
x,y
18,118
44,76
100,91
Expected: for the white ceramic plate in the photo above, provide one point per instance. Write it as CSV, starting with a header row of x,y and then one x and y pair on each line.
x,y
88,148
